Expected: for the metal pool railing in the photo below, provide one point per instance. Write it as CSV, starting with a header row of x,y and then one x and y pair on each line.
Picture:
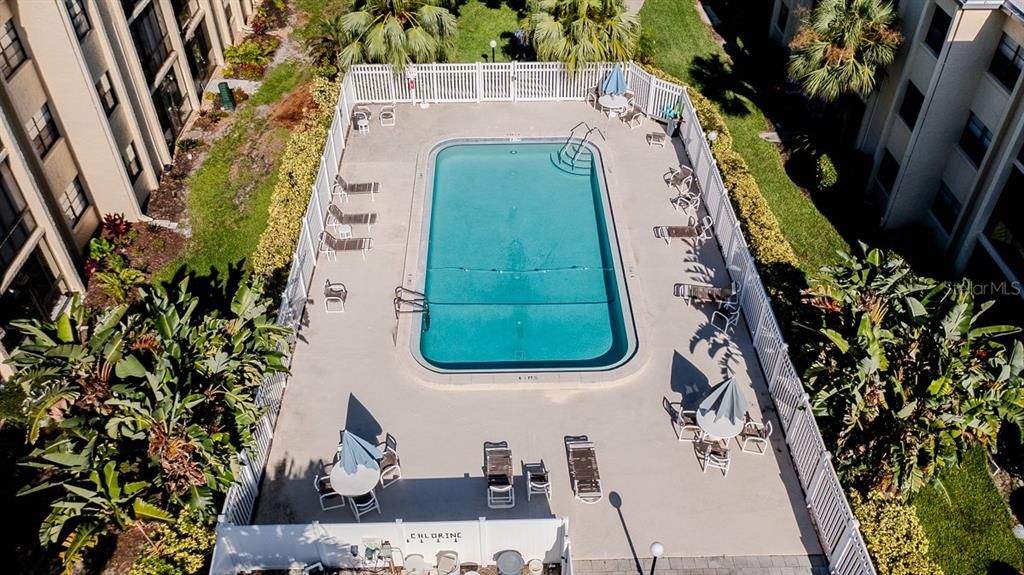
x,y
837,528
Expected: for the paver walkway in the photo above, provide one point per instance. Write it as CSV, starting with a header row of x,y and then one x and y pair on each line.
x,y
718,565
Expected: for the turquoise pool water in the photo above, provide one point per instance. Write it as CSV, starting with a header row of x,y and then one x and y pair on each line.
x,y
521,273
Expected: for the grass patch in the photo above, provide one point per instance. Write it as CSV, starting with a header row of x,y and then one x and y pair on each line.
x,y
685,49
227,204
972,536
478,25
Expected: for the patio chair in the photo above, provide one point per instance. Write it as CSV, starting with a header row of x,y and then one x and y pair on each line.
x,y
633,118
363,504
712,455
538,481
657,139
361,112
681,178
629,95
583,470
331,245
335,293
501,492
684,422
314,569
686,202
390,464
592,97
755,433
731,302
343,189
447,563
329,498
336,220
387,115
725,321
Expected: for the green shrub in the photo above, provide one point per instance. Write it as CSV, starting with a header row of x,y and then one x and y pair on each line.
x,y
893,535
296,176
646,46
251,52
179,548
828,175
120,283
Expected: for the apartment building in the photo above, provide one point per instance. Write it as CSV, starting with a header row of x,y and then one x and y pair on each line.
x,y
93,95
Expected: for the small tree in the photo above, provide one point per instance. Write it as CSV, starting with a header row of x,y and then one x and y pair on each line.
x,y
906,378
581,31
843,46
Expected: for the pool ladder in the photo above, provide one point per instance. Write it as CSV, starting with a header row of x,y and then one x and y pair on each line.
x,y
574,155
409,301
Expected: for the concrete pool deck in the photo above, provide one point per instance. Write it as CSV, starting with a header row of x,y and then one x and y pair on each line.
x,y
355,370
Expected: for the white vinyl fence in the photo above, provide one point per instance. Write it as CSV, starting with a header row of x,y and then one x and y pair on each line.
x,y
838,530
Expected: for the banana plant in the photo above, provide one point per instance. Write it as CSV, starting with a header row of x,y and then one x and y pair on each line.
x,y
906,377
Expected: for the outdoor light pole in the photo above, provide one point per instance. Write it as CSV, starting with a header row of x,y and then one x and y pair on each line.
x,y
657,549
494,44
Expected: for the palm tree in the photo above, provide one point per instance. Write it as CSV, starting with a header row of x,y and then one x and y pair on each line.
x,y
395,32
580,31
843,46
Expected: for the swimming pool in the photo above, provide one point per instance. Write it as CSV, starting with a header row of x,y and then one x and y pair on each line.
x,y
522,264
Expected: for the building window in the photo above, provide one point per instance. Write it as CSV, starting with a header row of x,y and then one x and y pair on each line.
x,y
13,53
108,97
946,207
975,140
937,30
131,162
74,202
1007,62
79,17
911,106
1005,229
783,17
16,222
151,41
34,293
43,130
887,171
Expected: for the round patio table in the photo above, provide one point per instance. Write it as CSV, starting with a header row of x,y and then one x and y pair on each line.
x,y
510,563
352,484
723,428
612,101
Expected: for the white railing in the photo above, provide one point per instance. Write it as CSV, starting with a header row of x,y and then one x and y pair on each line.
x,y
837,528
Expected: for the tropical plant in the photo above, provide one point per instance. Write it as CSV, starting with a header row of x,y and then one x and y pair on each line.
x,y
827,174
179,548
396,32
893,535
843,46
906,378
120,282
581,31
140,409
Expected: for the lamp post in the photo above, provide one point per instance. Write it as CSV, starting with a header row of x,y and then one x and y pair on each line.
x,y
657,550
712,135
494,44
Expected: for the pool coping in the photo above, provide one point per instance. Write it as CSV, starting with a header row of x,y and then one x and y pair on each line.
x,y
406,333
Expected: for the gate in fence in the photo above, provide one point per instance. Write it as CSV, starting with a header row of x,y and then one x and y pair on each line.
x,y
837,528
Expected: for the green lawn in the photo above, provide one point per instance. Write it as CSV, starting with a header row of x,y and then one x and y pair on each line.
x,y
478,25
971,536
228,203
685,48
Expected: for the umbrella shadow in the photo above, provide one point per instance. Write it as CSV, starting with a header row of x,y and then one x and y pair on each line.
x,y
360,421
688,381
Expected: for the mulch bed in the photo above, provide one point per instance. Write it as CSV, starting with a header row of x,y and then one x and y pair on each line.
x,y
152,249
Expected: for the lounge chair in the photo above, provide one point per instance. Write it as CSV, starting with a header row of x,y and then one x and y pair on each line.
x,y
335,293
330,245
702,293
538,481
684,422
756,434
583,470
390,464
336,217
342,188
698,231
329,498
633,118
448,563
387,116
501,493
712,455
681,178
657,139
363,504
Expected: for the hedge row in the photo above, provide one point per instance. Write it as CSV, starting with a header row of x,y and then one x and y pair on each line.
x,y
296,176
760,226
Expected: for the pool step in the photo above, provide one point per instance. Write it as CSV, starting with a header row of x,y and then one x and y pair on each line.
x,y
574,158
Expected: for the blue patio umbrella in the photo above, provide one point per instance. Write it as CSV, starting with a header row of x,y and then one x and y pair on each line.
x,y
357,452
615,82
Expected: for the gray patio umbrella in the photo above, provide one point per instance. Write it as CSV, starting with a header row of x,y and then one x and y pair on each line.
x,y
723,412
357,470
